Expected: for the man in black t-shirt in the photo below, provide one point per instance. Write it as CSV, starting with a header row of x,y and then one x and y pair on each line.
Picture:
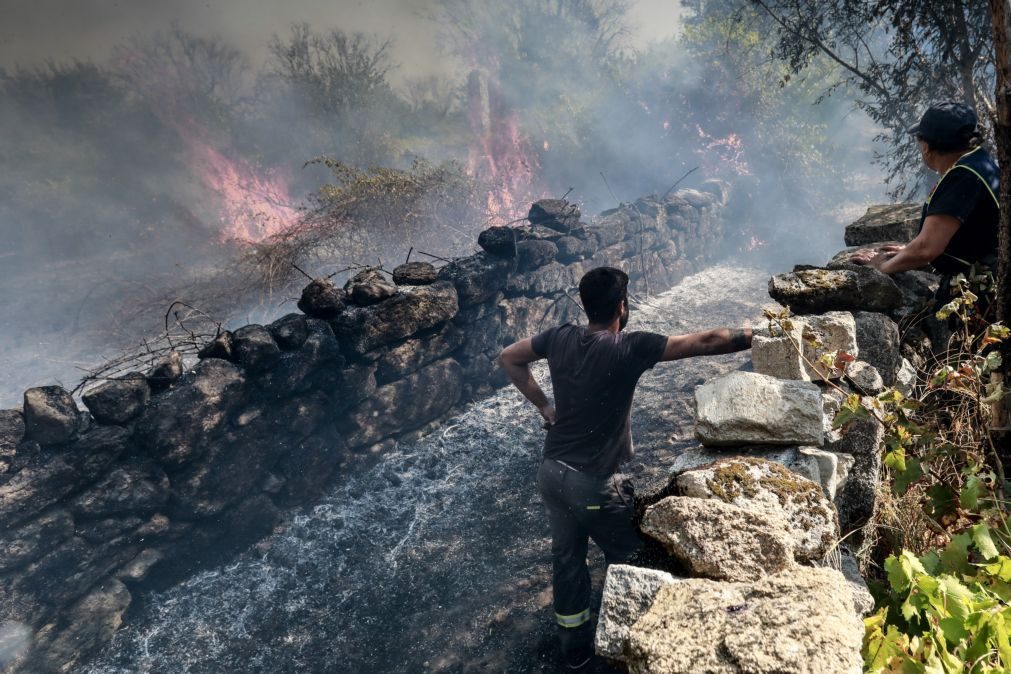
x,y
594,372
960,219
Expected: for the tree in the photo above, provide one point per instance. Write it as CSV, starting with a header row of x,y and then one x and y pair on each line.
x,y
900,57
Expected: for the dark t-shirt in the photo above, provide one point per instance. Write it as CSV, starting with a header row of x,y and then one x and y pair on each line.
x,y
594,376
967,192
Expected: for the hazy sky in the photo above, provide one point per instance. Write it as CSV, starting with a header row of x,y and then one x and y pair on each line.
x,y
32,31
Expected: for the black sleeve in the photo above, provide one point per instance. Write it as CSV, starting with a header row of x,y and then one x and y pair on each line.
x,y
648,348
541,343
956,195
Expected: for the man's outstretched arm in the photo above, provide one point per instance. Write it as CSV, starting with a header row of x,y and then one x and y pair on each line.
x,y
515,360
708,343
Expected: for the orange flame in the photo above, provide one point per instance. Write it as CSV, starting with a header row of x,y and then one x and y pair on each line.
x,y
254,205
500,154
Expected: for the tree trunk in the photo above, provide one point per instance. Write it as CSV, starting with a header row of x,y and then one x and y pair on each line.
x,y
1001,11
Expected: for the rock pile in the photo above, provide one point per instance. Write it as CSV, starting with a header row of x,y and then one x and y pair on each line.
x,y
746,521
753,515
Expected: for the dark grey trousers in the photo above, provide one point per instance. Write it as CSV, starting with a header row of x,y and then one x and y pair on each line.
x,y
580,507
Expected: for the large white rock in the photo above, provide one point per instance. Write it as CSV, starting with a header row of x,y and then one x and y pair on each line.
x,y
777,352
829,469
800,621
719,540
767,488
843,560
747,408
628,594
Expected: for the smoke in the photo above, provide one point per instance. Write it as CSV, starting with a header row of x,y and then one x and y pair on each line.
x,y
14,641
145,142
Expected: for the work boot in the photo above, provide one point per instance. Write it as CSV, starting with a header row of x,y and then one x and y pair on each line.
x,y
577,646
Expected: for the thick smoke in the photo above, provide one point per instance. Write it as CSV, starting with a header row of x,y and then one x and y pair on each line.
x,y
140,138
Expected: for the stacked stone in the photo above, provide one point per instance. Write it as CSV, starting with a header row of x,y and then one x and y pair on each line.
x,y
746,517
188,459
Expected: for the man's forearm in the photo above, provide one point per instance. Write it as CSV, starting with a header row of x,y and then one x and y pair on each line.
x,y
726,340
523,379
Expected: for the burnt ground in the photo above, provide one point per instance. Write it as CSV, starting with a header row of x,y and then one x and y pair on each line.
x,y
436,558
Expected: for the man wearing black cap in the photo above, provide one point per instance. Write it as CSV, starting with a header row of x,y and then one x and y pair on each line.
x,y
959,221
594,372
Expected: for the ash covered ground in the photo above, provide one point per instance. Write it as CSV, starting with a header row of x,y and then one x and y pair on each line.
x,y
436,558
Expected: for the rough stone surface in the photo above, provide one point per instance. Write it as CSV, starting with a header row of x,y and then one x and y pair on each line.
x,y
29,542
50,415
800,621
865,378
90,623
415,274
219,347
768,488
131,489
719,540
526,316
416,353
119,400
501,241
824,333
415,308
405,404
533,254
322,299
816,290
879,344
477,278
166,372
12,431
369,287
905,378
165,430
254,348
843,560
887,222
571,248
289,331
548,280
777,353
746,408
829,469
863,439
628,594
557,214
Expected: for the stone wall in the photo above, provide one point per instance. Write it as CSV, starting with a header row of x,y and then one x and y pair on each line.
x,y
193,463
746,543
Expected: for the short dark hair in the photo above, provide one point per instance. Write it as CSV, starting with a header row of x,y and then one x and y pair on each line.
x,y
602,289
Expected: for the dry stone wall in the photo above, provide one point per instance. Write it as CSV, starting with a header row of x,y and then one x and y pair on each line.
x,y
195,461
755,518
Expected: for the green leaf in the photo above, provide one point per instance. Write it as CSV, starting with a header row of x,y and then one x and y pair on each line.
x,y
1000,569
902,569
954,629
912,473
969,496
955,556
984,542
943,500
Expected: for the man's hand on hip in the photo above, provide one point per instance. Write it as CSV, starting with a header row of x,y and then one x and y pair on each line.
x,y
548,412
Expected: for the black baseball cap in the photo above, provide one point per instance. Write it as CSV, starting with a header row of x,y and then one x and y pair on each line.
x,y
947,125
